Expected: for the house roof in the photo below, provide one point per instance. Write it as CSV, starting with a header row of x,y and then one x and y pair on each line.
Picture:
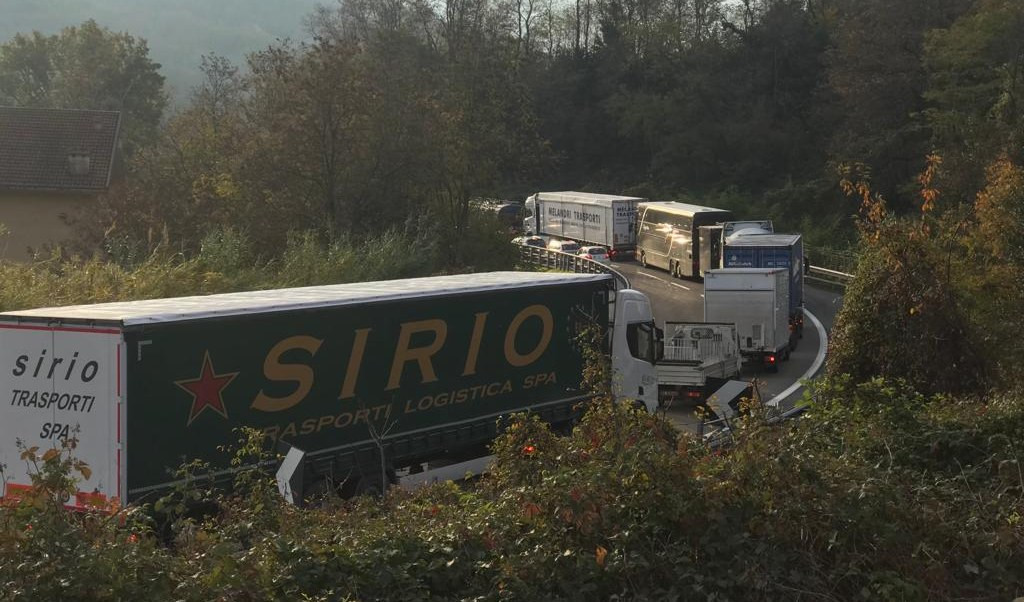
x,y
57,149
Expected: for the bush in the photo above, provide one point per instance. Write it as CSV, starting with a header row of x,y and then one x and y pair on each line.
x,y
904,317
879,492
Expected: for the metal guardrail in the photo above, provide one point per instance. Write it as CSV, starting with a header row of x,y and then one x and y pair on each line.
x,y
568,262
838,260
828,276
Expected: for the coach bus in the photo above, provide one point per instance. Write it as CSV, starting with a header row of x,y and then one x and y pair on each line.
x,y
668,235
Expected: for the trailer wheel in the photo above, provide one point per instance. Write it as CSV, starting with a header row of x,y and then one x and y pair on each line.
x,y
320,492
369,483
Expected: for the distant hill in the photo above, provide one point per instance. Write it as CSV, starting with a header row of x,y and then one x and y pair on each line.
x,y
179,32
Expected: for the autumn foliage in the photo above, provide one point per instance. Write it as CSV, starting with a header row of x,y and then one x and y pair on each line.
x,y
879,492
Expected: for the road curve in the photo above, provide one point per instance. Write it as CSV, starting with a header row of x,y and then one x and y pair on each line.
x,y
683,300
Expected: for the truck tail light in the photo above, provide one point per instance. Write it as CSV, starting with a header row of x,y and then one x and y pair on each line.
x,y
693,393
770,359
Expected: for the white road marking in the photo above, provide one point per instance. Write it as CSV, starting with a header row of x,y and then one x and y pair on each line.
x,y
681,286
818,361
648,275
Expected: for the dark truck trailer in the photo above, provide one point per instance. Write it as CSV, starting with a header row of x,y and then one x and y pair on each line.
x,y
773,251
714,236
417,370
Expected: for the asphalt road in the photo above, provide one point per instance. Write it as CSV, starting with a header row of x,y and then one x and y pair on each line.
x,y
683,301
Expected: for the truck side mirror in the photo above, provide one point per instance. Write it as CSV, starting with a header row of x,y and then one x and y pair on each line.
x,y
659,344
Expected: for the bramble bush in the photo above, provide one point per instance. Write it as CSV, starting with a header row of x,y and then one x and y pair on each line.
x,y
877,493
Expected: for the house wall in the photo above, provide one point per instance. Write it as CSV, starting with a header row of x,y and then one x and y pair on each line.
x,y
35,220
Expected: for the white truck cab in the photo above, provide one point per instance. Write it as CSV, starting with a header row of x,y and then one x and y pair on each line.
x,y
635,349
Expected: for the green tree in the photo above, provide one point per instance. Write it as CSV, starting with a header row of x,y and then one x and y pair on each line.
x,y
86,67
187,182
976,92
876,81
996,256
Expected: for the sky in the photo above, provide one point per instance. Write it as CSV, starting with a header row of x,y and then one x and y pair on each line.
x,y
179,32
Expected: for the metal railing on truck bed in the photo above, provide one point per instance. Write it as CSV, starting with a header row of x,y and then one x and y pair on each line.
x,y
697,351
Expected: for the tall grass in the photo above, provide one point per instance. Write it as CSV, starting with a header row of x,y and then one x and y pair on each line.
x,y
228,261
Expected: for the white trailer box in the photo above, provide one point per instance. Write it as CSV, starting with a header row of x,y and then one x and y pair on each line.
x,y
597,219
62,382
757,301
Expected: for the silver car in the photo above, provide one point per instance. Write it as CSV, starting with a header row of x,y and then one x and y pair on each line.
x,y
598,254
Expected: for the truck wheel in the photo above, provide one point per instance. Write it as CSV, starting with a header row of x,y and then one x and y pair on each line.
x,y
320,492
367,484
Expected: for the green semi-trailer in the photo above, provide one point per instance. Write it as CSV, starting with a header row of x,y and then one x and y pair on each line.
x,y
406,371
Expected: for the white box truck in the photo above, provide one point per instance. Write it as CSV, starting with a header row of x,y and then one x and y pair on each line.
x,y
757,301
597,219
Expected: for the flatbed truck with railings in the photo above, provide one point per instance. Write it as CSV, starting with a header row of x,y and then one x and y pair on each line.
x,y
699,357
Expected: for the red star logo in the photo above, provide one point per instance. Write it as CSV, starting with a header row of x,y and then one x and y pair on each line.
x,y
206,390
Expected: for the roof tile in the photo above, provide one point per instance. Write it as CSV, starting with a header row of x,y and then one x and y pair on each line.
x,y
56,149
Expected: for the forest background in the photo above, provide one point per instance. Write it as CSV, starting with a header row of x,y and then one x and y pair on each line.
x,y
404,108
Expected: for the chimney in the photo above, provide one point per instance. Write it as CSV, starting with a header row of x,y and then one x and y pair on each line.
x,y
78,164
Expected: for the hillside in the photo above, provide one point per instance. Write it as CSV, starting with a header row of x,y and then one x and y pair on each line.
x,y
179,32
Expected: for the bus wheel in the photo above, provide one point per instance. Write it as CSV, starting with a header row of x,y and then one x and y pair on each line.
x,y
643,259
672,268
